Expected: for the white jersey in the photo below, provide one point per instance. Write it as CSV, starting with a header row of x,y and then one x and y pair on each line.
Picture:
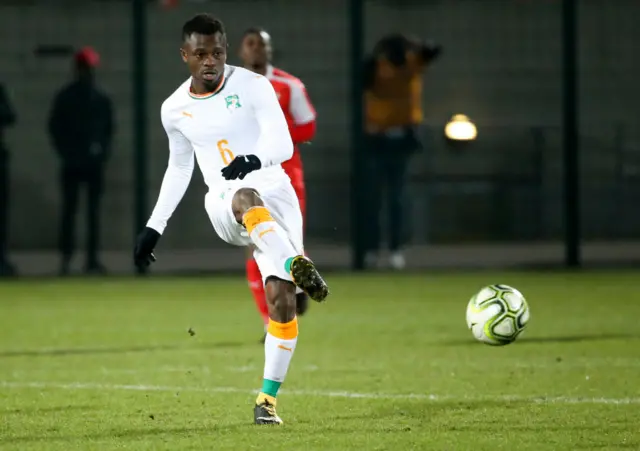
x,y
242,117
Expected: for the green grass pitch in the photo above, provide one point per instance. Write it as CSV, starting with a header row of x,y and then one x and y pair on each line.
x,y
386,364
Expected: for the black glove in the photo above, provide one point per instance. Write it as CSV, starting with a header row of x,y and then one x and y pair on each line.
x,y
241,166
145,243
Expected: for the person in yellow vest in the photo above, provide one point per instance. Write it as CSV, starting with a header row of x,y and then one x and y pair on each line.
x,y
393,112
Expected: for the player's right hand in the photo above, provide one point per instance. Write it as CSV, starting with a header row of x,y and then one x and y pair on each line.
x,y
241,166
145,243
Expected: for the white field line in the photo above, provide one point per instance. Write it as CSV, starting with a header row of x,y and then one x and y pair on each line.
x,y
320,393
195,369
575,364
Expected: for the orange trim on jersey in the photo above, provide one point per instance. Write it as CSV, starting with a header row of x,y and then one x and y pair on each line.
x,y
208,94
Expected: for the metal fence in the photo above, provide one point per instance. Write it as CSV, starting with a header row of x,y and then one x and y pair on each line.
x,y
499,200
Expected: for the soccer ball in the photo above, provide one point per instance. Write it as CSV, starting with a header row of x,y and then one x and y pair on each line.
x,y
497,314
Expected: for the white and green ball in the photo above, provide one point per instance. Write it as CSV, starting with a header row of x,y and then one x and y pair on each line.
x,y
497,315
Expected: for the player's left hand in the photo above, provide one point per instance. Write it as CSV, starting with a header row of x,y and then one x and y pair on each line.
x,y
241,166
146,241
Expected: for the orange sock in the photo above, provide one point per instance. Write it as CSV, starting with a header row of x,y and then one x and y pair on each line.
x,y
257,289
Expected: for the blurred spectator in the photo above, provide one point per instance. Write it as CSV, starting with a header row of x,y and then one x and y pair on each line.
x,y
81,129
393,104
7,118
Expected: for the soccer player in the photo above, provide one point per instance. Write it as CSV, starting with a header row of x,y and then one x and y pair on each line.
x,y
256,52
229,119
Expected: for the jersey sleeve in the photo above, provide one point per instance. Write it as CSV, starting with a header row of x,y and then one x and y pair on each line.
x,y
274,144
176,177
300,106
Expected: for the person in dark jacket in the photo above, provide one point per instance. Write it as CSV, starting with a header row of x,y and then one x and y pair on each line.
x,y
7,118
81,129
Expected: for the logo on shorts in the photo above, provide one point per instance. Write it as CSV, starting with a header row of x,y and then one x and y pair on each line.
x,y
233,102
264,232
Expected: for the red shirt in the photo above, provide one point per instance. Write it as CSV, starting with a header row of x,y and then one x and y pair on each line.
x,y
300,115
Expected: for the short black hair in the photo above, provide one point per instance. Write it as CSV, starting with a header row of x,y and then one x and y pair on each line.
x,y
202,24
253,30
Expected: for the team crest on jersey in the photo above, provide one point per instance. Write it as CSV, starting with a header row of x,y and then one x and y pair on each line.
x,y
233,102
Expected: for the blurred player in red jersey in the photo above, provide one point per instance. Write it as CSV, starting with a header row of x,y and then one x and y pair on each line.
x,y
256,53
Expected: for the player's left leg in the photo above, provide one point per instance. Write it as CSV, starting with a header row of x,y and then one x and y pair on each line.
x,y
279,345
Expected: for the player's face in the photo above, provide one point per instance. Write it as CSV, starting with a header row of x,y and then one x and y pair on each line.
x,y
256,49
205,56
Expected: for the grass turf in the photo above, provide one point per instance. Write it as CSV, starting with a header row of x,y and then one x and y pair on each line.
x,y
386,363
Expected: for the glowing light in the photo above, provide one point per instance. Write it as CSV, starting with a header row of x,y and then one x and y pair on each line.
x,y
460,128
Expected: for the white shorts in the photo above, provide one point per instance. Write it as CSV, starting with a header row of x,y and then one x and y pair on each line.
x,y
282,203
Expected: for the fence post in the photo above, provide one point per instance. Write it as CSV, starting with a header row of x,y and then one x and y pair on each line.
x,y
139,97
570,133
356,53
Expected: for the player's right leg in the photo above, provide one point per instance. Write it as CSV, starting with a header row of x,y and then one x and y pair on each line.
x,y
302,299
273,241
293,169
397,169
256,285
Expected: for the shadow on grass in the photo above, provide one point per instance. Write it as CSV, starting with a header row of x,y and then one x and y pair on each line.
x,y
35,410
421,410
558,339
380,417
54,352
470,418
125,434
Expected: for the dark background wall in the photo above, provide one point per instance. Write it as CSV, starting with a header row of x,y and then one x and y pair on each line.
x,y
501,66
